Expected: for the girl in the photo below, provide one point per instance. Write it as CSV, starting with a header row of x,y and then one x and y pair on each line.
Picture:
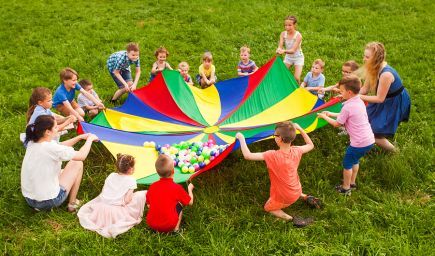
x,y
40,103
161,54
292,40
43,184
282,164
389,102
117,208
207,71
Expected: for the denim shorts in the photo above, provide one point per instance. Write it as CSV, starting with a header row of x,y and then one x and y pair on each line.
x,y
179,208
296,61
50,203
353,155
126,74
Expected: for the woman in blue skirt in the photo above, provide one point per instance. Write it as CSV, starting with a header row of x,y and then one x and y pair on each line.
x,y
389,102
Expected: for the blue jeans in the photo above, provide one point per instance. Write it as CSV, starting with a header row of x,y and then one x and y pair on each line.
x,y
50,203
126,74
353,155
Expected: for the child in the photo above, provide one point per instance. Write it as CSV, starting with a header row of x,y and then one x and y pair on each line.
x,y
86,104
315,80
348,68
118,65
206,76
63,99
118,208
165,199
353,116
282,164
246,66
292,40
161,54
183,67
40,103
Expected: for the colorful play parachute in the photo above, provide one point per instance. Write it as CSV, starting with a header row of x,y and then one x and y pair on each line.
x,y
168,111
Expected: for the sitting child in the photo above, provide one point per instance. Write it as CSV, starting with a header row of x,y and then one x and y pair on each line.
x,y
63,99
118,208
40,103
315,80
348,68
161,54
246,66
207,71
282,164
87,105
165,199
354,117
183,67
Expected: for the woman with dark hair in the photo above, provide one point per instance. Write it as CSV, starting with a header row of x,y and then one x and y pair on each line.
x,y
43,183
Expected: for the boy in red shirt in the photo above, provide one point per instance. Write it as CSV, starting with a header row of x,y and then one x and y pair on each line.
x,y
165,199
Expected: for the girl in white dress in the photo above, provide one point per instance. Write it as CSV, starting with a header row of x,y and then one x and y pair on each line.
x,y
117,208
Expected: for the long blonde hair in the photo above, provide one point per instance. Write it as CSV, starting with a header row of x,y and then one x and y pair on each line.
x,y
373,66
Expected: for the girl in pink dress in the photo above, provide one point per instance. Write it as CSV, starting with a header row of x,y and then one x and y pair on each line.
x,y
117,208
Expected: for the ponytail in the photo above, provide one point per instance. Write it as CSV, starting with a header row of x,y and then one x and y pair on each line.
x,y
38,94
124,162
35,131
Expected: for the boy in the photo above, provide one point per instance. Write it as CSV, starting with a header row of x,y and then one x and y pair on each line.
x,y
314,81
353,116
246,66
207,71
165,199
118,65
86,104
183,68
63,99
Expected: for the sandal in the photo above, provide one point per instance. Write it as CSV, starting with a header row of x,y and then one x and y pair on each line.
x,y
73,207
313,202
302,222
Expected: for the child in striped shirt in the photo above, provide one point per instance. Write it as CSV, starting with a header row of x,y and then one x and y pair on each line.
x,y
246,66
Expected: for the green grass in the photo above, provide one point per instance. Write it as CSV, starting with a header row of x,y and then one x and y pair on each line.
x,y
390,214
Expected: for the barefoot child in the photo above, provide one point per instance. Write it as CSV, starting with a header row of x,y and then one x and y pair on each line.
x,y
292,40
87,105
353,116
183,67
63,99
118,208
161,54
118,65
282,164
165,199
246,66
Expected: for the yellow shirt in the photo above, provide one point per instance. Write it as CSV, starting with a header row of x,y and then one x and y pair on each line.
x,y
207,72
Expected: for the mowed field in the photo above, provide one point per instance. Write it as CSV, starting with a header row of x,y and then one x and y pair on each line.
x,y
392,211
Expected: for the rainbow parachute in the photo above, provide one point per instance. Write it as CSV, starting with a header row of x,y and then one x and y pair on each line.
x,y
169,111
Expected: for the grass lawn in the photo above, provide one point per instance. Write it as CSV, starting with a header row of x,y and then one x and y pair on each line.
x,y
392,211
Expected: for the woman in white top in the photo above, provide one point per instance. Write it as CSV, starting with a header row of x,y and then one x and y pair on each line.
x,y
43,183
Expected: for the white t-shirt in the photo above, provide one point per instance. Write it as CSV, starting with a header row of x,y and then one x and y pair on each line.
x,y
115,188
83,101
41,168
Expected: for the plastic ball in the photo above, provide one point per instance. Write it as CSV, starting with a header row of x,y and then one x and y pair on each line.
x,y
206,161
184,169
201,165
212,158
191,169
180,164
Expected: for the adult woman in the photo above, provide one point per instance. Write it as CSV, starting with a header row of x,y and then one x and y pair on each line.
x,y
43,184
390,103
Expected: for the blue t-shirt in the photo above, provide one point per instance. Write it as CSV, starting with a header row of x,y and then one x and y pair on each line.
x,y
62,94
39,111
314,82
